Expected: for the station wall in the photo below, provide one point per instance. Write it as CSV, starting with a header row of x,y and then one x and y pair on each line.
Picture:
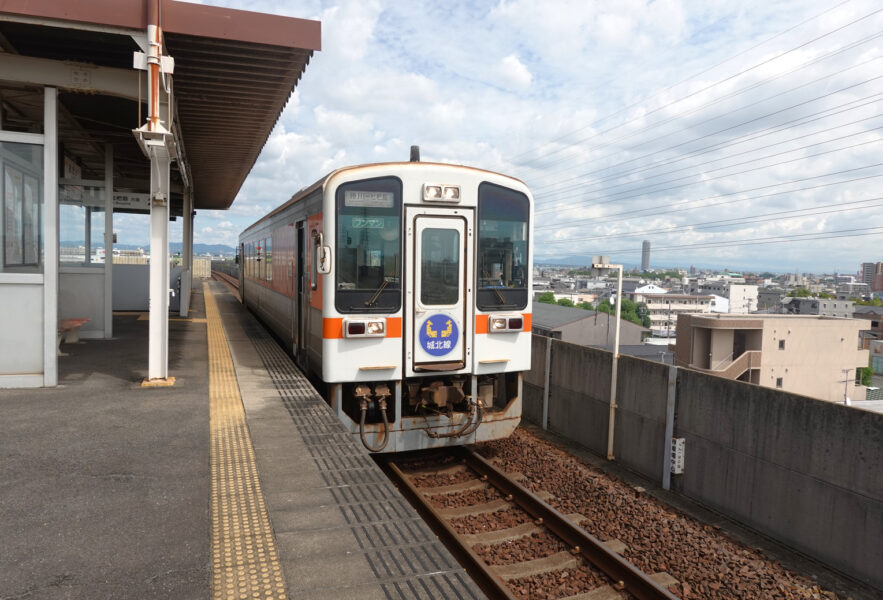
x,y
803,471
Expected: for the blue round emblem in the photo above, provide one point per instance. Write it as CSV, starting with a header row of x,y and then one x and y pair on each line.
x,y
438,335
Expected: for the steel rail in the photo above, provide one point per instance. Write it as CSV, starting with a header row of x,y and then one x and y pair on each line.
x,y
625,574
486,579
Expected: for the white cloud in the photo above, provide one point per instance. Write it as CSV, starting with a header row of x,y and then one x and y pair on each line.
x,y
617,113
515,73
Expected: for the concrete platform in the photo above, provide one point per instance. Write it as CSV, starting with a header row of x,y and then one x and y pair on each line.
x,y
104,485
342,530
106,488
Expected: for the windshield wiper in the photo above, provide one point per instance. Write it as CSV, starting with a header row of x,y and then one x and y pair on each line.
x,y
501,300
376,295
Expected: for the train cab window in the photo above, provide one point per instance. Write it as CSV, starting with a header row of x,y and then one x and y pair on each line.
x,y
502,275
369,246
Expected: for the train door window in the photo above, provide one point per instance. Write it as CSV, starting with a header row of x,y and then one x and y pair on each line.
x,y
369,246
503,216
440,267
314,263
268,252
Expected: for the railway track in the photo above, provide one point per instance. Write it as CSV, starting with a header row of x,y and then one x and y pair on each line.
x,y
230,281
510,540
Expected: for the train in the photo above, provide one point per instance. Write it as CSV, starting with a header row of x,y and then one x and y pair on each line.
x,y
404,288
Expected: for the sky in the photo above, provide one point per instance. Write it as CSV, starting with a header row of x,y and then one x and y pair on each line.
x,y
711,128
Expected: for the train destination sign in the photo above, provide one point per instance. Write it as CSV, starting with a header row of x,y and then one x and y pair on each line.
x,y
362,199
438,335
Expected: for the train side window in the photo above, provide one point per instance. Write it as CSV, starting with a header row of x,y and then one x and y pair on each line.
x,y
268,258
502,269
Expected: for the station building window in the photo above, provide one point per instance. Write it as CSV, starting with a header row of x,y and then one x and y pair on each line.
x,y
21,170
81,226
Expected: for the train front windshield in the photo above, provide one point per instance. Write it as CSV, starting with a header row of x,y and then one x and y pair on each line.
x,y
503,216
369,246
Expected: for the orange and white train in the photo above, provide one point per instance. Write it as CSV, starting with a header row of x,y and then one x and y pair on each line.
x,y
404,287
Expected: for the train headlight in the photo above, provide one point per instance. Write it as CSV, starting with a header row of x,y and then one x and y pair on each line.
x,y
451,193
432,192
505,323
360,328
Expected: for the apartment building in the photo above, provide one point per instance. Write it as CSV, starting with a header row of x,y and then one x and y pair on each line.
x,y
665,308
742,298
809,355
823,307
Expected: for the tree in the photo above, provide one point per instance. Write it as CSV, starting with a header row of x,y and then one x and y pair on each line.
x,y
865,376
546,298
871,302
565,302
630,311
799,293
584,305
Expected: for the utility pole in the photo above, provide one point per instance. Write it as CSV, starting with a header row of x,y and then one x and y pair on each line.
x,y
845,385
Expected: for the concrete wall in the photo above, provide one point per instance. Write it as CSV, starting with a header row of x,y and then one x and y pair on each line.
x,y
131,287
21,328
803,471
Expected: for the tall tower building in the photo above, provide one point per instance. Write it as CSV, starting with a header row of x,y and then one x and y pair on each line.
x,y
645,256
870,270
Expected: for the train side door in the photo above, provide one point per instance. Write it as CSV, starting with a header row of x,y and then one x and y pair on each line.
x,y
438,305
301,285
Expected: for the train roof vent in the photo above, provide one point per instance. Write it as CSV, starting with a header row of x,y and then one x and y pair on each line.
x,y
415,153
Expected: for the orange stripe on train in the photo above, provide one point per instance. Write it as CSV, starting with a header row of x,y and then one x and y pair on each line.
x,y
481,322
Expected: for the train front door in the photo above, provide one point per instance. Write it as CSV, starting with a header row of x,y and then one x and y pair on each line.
x,y
438,302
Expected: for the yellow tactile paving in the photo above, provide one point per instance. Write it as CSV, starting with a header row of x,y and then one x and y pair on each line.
x,y
245,564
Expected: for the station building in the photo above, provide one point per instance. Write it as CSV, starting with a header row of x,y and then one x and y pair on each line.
x,y
152,107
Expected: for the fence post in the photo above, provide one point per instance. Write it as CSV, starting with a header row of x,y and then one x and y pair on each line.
x,y
548,377
669,426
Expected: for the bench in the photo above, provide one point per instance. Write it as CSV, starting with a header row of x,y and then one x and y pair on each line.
x,y
69,331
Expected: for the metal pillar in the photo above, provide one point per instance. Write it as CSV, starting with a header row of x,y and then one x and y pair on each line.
x,y
158,358
187,254
108,241
50,241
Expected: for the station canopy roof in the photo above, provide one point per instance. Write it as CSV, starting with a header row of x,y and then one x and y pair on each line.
x,y
234,72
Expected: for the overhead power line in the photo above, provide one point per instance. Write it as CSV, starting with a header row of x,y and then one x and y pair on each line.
x,y
552,170
799,104
800,237
649,189
710,86
654,210
773,129
836,207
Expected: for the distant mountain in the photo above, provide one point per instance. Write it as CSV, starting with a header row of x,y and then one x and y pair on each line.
x,y
213,249
567,261
174,247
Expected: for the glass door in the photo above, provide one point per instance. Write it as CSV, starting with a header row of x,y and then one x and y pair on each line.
x,y
439,304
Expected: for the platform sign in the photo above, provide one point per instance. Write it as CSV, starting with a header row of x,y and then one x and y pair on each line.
x,y
438,335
